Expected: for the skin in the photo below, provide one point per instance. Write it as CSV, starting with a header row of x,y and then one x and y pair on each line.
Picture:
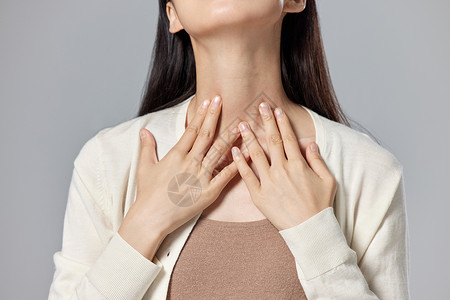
x,y
237,53
236,48
153,214
291,189
238,65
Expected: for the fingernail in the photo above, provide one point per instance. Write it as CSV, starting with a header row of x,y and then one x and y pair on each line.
x,y
278,112
264,109
313,147
235,152
205,103
243,126
216,101
143,134
235,130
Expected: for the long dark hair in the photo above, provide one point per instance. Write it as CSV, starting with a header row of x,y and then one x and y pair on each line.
x,y
304,68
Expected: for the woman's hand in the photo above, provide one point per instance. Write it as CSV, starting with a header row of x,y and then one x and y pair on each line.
x,y
172,191
290,191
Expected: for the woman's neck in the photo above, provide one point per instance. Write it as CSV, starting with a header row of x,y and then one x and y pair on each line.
x,y
244,69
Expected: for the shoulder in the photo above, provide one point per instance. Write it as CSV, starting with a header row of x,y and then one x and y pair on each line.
x,y
107,160
117,144
357,150
155,122
368,174
122,139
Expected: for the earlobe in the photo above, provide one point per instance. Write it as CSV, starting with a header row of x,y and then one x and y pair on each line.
x,y
175,25
294,6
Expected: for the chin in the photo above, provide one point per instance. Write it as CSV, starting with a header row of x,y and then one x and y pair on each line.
x,y
204,17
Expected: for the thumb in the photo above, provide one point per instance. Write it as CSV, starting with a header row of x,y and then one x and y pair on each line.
x,y
316,161
148,147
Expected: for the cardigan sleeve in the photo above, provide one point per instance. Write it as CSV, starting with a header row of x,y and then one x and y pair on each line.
x,y
327,267
94,261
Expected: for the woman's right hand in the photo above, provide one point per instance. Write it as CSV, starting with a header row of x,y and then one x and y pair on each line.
x,y
172,191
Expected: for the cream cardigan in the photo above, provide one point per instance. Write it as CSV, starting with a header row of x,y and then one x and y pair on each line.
x,y
357,249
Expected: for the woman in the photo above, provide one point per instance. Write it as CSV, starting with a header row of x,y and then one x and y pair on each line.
x,y
297,222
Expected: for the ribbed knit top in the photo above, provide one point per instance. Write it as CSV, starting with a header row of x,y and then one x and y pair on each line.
x,y
235,260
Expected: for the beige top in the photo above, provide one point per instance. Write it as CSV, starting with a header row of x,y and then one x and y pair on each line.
x,y
235,260
357,249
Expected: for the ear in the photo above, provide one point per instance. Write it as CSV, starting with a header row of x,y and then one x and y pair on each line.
x,y
294,6
175,24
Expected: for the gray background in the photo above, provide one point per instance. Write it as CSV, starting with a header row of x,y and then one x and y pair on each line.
x,y
71,68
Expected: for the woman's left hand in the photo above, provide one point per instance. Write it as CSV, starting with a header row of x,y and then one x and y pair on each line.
x,y
291,189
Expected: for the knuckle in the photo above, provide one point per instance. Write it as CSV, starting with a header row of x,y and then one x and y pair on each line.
x,y
212,110
275,139
266,118
279,173
219,147
258,153
289,137
229,137
195,161
205,163
200,113
192,129
204,132
207,169
317,156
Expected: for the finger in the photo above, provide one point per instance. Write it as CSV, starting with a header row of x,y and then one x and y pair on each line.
x,y
224,160
190,134
223,177
273,136
147,151
257,154
247,174
316,161
290,141
220,147
228,157
208,129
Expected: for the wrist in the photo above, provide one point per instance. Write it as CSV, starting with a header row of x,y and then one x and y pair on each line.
x,y
146,243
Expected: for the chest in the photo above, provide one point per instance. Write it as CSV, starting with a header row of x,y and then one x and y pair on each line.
x,y
234,204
